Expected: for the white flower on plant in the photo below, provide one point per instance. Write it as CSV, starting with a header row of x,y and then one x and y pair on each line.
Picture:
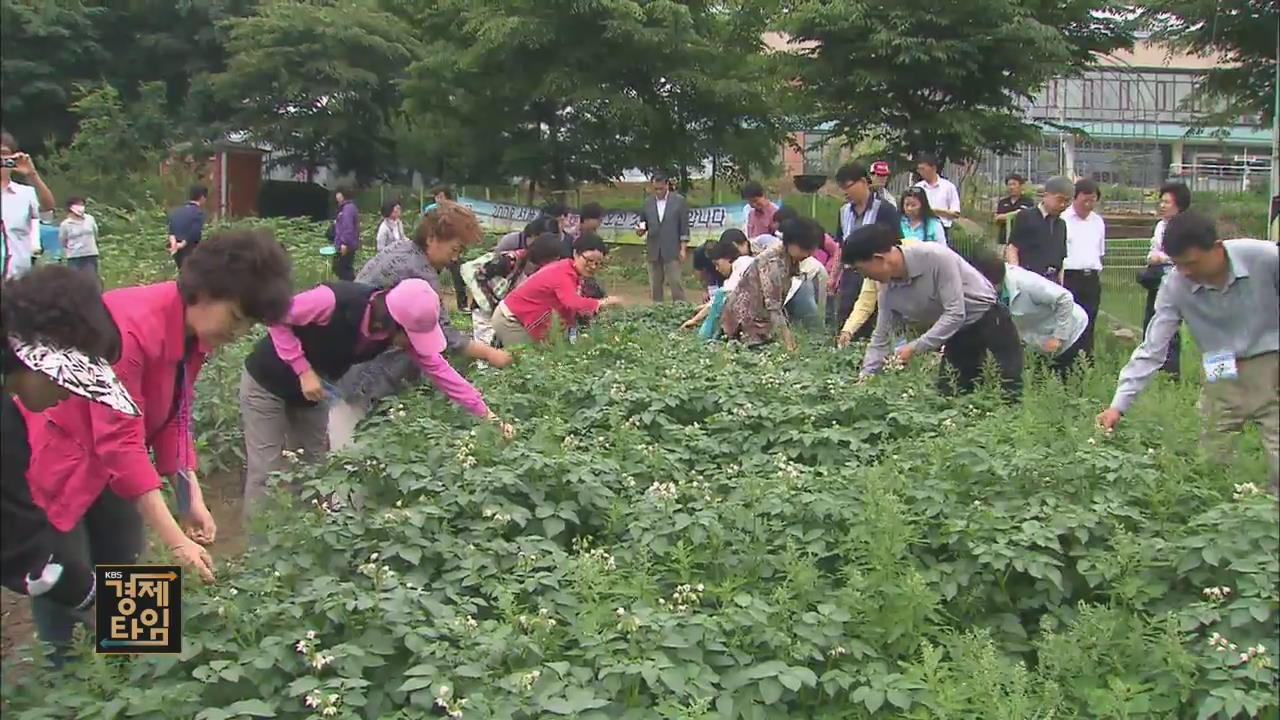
x,y
312,699
311,634
329,711
320,661
233,592
620,612
302,646
373,557
442,691
1245,657
1244,490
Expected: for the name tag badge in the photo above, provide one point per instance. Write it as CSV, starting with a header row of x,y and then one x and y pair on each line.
x,y
1220,366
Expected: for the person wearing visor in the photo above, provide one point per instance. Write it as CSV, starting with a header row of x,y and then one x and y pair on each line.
x,y
879,179
59,341
288,376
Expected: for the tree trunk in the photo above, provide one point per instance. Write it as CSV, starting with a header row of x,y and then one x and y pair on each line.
x,y
533,184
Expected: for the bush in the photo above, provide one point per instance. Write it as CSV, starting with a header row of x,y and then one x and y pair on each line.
x,y
284,198
683,531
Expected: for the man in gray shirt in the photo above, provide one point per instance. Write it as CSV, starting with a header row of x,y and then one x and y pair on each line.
x,y
1227,292
930,284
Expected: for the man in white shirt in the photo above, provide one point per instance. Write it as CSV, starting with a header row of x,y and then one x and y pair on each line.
x,y
944,198
1086,244
22,208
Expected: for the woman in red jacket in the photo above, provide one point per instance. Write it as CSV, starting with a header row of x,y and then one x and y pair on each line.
x,y
56,339
91,467
527,313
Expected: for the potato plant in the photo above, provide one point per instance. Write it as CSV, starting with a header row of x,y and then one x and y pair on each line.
x,y
683,530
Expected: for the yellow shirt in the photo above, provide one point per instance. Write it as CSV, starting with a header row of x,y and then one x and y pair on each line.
x,y
865,307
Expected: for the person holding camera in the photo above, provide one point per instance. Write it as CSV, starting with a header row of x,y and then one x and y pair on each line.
x,y
23,208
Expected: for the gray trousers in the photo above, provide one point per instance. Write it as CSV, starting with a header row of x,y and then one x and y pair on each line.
x,y
270,428
665,273
508,330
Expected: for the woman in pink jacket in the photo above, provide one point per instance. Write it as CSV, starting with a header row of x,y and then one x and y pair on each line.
x,y
91,467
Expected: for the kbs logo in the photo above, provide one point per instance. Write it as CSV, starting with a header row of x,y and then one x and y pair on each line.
x,y
139,609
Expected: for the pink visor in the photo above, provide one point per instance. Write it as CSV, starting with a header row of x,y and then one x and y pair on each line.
x,y
416,308
880,168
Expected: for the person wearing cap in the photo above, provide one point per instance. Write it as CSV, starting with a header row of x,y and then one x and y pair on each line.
x,y
944,197
552,295
1038,236
929,284
1227,292
58,341
437,243
1049,320
288,375
863,208
97,472
879,179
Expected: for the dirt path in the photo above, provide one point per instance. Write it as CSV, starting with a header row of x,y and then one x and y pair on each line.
x,y
222,495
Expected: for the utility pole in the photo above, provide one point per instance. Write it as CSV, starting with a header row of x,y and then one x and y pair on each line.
x,y
1273,230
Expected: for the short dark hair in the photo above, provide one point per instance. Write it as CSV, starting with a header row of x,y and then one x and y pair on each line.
x,y
851,173
246,266
1015,176
554,210
990,265
591,211
722,250
8,140
1188,230
74,200
443,190
751,190
801,232
1180,192
927,159
1086,186
785,213
866,241
389,206
533,229
587,242
660,176
197,192
734,235
544,249
59,306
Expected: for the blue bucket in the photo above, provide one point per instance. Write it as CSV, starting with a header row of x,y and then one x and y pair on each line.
x,y
49,242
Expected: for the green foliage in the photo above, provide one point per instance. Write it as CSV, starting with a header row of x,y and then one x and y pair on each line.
x,y
946,78
567,91
1242,35
749,536
317,80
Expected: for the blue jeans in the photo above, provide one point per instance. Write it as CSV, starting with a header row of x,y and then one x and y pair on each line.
x,y
803,308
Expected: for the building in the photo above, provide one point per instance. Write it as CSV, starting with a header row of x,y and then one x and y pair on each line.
x,y
1128,121
1131,121
231,170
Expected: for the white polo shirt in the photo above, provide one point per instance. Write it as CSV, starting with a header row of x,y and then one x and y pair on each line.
x,y
20,208
1086,240
942,195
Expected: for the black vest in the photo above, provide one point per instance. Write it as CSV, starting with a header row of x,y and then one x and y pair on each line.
x,y
331,349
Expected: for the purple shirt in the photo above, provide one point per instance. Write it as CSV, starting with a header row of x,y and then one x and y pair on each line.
x,y
346,228
760,222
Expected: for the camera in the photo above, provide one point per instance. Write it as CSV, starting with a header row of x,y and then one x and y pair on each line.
x,y
9,162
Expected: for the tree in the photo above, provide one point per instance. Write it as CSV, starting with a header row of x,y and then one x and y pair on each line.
x,y
948,78
318,81
50,46
1244,34
572,91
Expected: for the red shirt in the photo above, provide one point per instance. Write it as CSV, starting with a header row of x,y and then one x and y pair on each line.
x,y
80,448
554,288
